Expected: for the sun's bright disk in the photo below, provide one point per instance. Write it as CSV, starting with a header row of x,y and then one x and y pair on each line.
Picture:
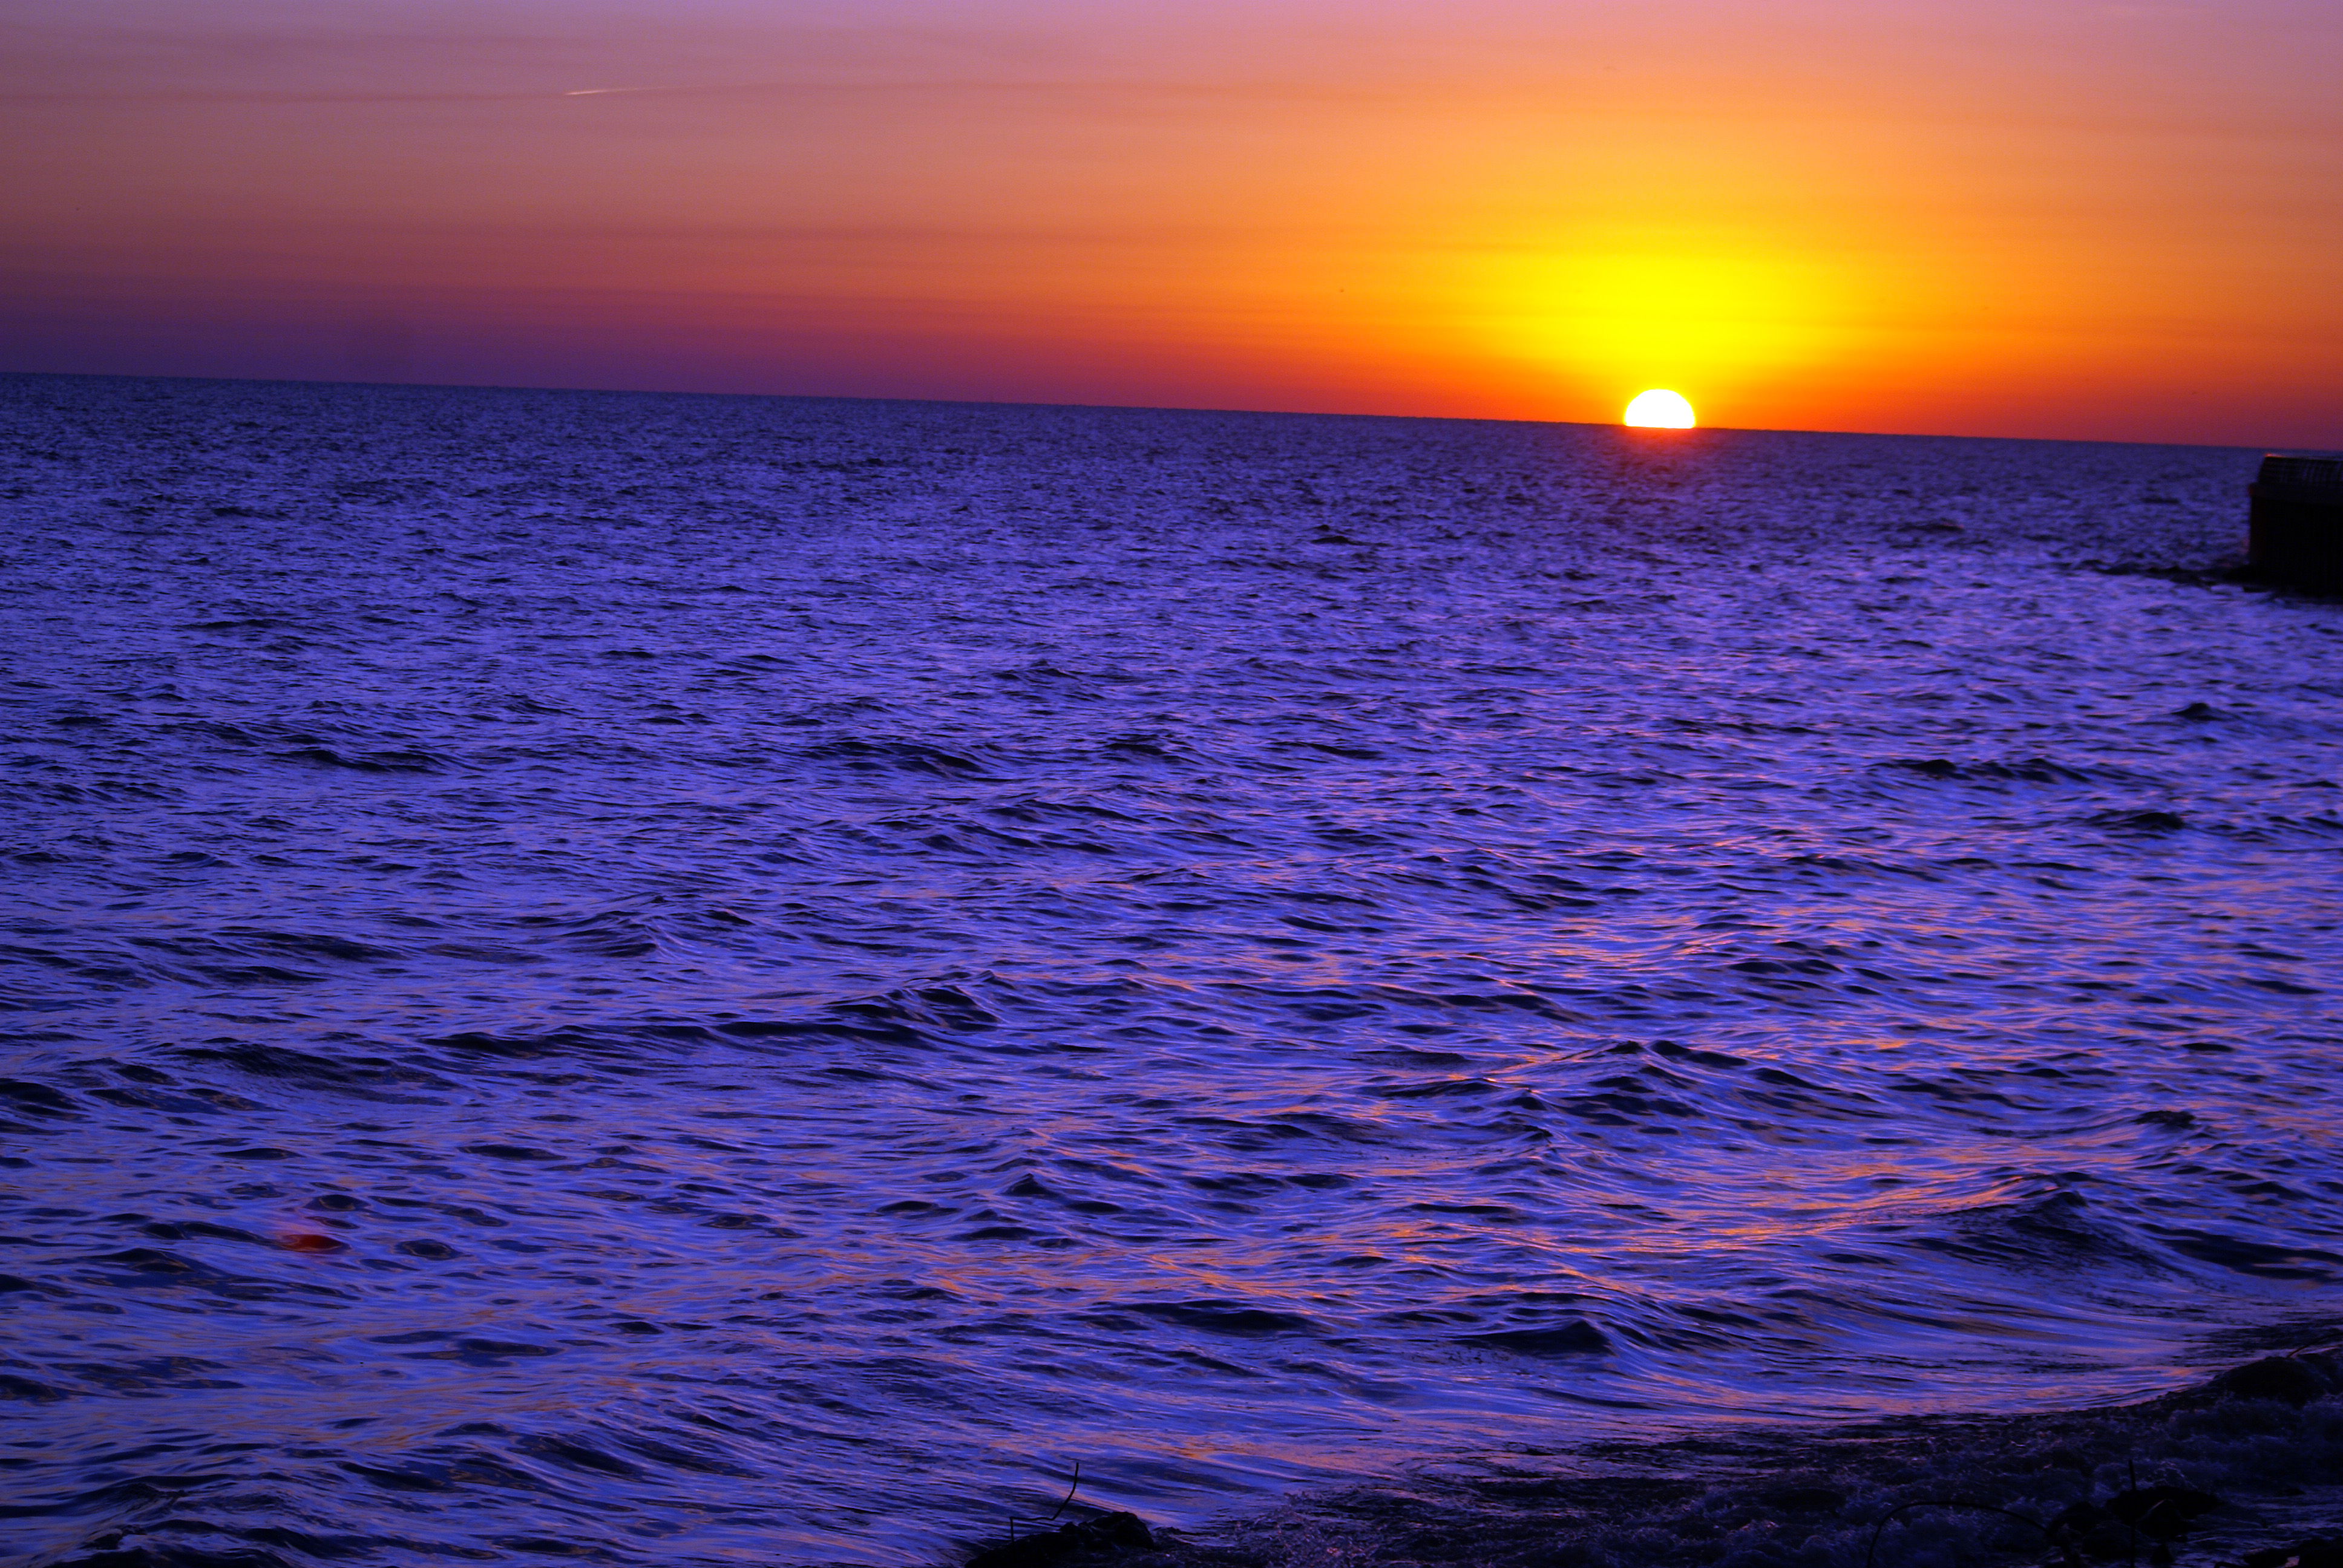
x,y
1659,410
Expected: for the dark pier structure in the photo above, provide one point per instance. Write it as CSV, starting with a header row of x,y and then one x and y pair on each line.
x,y
2297,522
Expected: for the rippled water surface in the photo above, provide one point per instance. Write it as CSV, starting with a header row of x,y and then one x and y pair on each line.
x,y
682,980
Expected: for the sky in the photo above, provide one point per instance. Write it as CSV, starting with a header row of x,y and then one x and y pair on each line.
x,y
2015,218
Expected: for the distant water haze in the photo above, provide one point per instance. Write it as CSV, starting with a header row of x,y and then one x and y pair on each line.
x,y
2096,221
687,980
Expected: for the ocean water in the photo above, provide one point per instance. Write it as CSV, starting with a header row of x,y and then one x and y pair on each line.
x,y
668,980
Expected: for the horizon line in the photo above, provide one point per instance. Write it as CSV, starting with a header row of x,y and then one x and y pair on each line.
x,y
1659,433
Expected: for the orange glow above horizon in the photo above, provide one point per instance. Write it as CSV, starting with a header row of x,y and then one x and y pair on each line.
x,y
1994,218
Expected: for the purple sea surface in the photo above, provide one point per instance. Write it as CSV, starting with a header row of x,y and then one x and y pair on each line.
x,y
686,980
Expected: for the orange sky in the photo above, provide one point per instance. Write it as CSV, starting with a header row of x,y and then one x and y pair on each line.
x,y
2107,221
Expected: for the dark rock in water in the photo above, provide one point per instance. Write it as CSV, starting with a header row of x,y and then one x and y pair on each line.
x,y
2287,1379
2095,1531
1105,1538
2321,1553
2062,1458
2161,1512
2151,1515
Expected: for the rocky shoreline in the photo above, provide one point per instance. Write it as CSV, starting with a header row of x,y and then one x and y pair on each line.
x,y
2245,1469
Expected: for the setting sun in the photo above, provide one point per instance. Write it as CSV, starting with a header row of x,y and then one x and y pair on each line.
x,y
1659,410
